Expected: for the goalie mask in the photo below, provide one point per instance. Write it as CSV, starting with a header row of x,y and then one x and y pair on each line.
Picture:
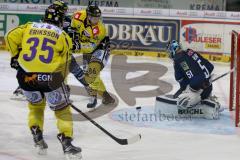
x,y
172,47
54,15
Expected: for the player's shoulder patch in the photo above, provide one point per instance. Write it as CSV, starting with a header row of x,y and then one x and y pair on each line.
x,y
95,31
77,16
80,15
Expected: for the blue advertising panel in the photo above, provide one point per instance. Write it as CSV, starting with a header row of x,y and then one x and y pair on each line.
x,y
142,34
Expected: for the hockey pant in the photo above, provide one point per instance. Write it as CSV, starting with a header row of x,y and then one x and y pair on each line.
x,y
38,93
95,82
94,67
92,77
206,92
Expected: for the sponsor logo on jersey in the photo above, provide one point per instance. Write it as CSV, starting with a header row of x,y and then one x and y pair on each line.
x,y
184,66
32,78
44,77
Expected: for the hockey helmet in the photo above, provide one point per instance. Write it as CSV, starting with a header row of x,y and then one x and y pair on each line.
x,y
93,11
93,14
172,47
61,5
54,15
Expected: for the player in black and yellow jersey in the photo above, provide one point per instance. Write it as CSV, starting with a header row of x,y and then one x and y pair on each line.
x,y
93,42
43,53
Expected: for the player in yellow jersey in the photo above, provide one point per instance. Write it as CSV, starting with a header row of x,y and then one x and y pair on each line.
x,y
43,53
93,42
63,7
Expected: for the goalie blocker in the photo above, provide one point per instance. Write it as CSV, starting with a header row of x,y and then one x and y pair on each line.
x,y
167,105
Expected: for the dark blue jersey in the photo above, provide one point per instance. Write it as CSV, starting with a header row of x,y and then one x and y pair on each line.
x,y
191,68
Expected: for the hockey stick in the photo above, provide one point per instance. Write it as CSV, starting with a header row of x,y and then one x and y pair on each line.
x,y
220,76
211,81
118,140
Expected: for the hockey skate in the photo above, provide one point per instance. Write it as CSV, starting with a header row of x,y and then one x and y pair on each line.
x,y
92,102
71,152
18,95
40,145
93,97
107,99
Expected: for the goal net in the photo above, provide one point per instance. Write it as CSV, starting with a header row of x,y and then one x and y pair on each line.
x,y
235,77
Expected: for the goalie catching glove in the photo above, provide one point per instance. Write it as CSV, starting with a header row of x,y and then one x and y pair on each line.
x,y
189,98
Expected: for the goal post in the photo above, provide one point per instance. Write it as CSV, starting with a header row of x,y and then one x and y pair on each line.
x,y
235,76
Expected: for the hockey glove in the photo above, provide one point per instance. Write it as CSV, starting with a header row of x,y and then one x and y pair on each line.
x,y
105,44
14,62
76,45
73,34
75,38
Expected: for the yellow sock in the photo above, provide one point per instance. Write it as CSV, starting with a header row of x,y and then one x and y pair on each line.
x,y
64,121
36,114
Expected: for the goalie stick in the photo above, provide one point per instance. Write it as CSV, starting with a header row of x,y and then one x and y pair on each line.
x,y
222,75
211,81
118,140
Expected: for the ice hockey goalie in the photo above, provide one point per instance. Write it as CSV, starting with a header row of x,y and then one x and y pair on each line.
x,y
193,73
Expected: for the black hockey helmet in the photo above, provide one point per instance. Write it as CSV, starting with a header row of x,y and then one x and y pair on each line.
x,y
94,11
61,5
54,15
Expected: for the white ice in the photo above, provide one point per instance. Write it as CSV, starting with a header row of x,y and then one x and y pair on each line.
x,y
156,144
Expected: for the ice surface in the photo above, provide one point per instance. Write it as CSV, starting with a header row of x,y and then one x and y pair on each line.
x,y
146,117
200,140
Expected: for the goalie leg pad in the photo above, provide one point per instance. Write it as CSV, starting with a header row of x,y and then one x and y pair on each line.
x,y
211,109
167,106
